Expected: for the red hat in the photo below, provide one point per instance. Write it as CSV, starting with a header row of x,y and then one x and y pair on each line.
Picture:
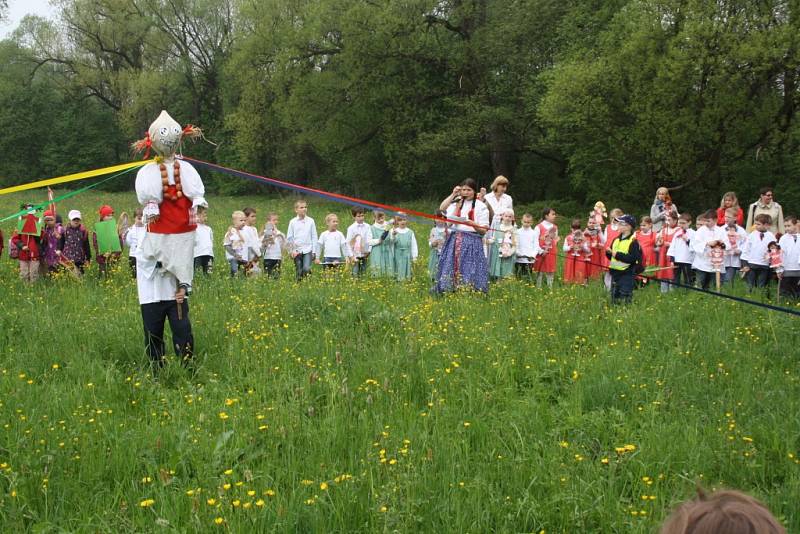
x,y
106,210
49,213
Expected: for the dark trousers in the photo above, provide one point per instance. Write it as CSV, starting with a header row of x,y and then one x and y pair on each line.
x,y
684,270
204,263
272,268
523,271
758,276
132,265
789,286
154,315
704,279
621,286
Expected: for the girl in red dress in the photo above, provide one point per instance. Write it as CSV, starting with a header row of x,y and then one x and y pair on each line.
x,y
546,232
577,249
663,241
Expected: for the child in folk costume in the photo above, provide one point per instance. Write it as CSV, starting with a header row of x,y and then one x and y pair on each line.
x,y
272,243
333,244
2,243
234,242
381,256
733,246
790,246
681,252
527,249
358,236
75,249
593,235
252,238
663,243
647,241
51,242
436,239
302,240
105,261
27,251
547,236
133,237
577,252
405,247
755,258
203,243
610,233
503,245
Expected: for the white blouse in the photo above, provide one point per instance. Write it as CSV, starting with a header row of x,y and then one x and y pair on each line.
x,y
499,205
481,215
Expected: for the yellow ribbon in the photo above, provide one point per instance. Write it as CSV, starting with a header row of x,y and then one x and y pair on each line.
x,y
73,177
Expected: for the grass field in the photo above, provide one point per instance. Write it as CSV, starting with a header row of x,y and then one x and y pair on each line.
x,y
341,406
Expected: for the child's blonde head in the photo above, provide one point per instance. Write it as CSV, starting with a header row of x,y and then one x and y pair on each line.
x,y
726,511
329,218
616,212
299,203
236,215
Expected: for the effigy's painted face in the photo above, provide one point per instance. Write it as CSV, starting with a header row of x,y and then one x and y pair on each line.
x,y
165,134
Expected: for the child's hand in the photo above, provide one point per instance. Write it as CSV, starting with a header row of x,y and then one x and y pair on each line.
x,y
294,254
25,247
315,260
180,295
58,253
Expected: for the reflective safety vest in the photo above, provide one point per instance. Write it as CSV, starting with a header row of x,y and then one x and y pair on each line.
x,y
623,246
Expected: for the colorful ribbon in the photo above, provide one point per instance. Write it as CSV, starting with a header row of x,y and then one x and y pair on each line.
x,y
73,177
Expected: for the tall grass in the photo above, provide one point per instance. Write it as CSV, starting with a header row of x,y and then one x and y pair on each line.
x,y
342,405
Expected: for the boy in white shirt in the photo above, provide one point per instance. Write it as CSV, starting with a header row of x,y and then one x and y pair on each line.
x,y
133,238
251,238
527,249
301,237
359,235
789,284
736,236
706,234
681,252
203,244
754,253
272,243
333,245
235,244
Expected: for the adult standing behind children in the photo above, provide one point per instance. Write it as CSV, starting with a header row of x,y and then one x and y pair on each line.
x,y
729,201
463,261
766,205
662,206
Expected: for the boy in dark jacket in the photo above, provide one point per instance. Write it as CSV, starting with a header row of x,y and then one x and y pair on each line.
x,y
625,256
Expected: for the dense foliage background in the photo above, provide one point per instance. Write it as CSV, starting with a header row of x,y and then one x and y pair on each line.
x,y
572,100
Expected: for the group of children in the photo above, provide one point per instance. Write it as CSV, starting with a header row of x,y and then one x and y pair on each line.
x,y
381,248
52,246
676,254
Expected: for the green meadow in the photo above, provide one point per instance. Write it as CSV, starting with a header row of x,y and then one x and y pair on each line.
x,y
342,405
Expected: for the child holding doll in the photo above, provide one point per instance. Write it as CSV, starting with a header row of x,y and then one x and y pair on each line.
x,y
546,233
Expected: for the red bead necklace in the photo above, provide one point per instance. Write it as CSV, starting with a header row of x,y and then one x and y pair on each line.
x,y
165,181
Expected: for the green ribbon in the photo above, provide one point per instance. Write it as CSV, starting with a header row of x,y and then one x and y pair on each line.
x,y
66,195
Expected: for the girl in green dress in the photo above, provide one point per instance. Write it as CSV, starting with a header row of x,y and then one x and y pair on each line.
x,y
381,256
436,241
405,247
503,247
